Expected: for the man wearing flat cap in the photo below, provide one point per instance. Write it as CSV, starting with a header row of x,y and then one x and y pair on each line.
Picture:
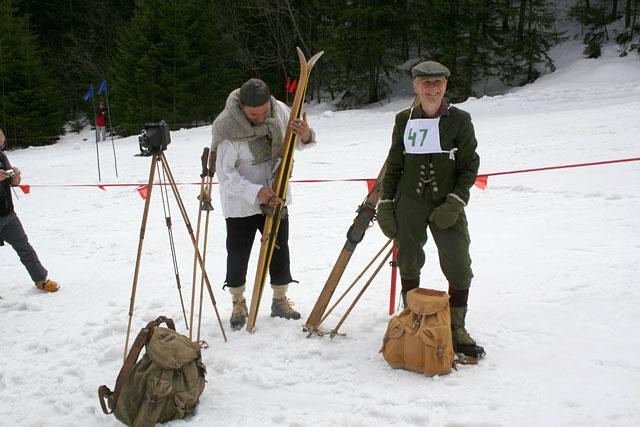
x,y
431,165
247,142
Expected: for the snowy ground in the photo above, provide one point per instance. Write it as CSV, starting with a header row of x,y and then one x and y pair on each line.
x,y
554,300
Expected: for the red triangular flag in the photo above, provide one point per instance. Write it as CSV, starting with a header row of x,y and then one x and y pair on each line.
x,y
481,181
292,88
371,184
26,188
142,190
102,187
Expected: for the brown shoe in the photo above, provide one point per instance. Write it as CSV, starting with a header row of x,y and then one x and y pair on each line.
x,y
47,285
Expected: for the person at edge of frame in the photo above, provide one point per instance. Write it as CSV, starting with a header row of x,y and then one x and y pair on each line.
x,y
11,230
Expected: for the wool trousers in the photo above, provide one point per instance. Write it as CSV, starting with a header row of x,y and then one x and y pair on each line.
x,y
241,234
412,217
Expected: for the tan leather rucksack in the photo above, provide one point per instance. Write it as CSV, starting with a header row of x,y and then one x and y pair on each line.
x,y
419,338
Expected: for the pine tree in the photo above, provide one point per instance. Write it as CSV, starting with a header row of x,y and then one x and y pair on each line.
x,y
529,35
595,16
78,42
363,43
30,108
168,65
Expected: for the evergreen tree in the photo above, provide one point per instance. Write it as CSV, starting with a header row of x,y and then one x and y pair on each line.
x,y
168,65
363,43
30,107
462,34
78,42
594,15
530,34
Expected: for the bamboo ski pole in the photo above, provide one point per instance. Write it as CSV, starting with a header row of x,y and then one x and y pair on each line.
x,y
344,294
334,331
211,170
185,216
204,158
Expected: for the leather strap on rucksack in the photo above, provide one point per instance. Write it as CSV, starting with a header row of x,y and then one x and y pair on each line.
x,y
109,398
463,361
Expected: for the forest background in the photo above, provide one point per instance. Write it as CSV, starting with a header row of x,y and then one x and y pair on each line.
x,y
178,60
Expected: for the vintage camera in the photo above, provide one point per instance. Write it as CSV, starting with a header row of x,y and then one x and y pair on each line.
x,y
154,139
10,172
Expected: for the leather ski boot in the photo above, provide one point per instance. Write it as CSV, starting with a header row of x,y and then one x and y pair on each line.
x,y
281,306
462,341
239,311
47,285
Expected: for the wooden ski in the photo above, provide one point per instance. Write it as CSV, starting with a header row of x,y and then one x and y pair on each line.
x,y
362,221
280,186
366,215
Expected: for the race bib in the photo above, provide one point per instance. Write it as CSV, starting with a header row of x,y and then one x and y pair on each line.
x,y
422,136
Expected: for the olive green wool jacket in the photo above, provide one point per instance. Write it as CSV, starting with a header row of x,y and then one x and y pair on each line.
x,y
433,176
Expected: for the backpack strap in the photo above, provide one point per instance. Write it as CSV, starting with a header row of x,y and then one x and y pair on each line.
x,y
463,361
110,398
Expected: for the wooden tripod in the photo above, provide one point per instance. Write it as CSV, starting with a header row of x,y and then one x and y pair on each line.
x,y
159,157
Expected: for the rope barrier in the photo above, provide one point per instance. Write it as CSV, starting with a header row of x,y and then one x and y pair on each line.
x,y
480,182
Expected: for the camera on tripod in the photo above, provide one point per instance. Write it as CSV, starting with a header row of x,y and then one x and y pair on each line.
x,y
154,139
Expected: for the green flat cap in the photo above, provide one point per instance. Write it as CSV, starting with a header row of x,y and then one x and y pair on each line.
x,y
430,69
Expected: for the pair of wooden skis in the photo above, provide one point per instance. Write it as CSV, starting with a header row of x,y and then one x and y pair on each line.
x,y
281,184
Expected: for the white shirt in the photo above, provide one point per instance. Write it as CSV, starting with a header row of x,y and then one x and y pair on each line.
x,y
240,179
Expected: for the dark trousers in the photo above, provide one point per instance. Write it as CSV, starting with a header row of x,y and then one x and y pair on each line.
x,y
241,233
11,231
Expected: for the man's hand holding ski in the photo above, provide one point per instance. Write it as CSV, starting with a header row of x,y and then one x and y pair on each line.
x,y
266,196
301,128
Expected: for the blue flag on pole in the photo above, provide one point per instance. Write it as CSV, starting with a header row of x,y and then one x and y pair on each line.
x,y
103,86
89,94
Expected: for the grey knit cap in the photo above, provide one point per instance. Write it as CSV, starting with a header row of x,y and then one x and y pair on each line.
x,y
254,92
430,69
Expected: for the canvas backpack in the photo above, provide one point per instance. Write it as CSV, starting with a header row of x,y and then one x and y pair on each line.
x,y
419,338
165,384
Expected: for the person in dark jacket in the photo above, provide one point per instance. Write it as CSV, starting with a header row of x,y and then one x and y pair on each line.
x,y
431,166
11,230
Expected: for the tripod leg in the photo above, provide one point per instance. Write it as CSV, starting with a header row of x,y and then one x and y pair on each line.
x,y
174,258
152,171
183,211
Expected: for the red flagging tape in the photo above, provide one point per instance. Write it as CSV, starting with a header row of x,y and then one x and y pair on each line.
x,y
481,180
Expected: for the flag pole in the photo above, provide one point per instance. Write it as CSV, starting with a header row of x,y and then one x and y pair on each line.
x,y
103,84
93,103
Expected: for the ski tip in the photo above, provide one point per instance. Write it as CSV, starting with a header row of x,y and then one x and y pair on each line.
x,y
312,61
301,57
